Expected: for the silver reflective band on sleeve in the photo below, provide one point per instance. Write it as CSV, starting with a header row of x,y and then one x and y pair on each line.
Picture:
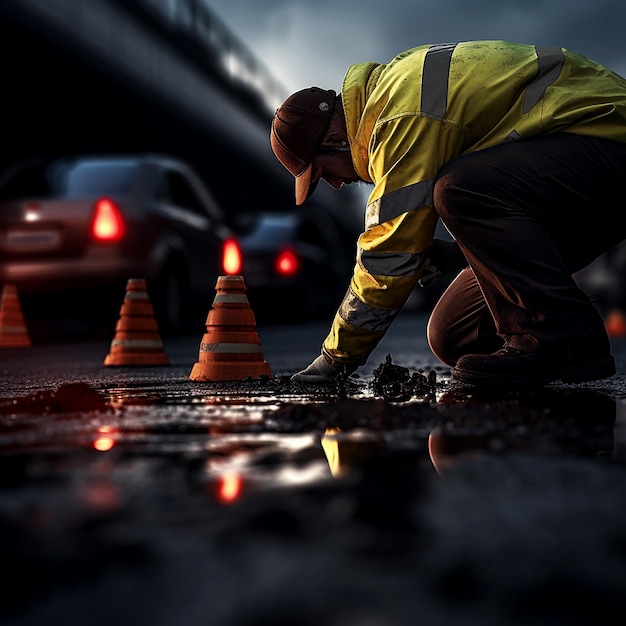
x,y
230,298
137,295
357,313
136,343
391,263
550,61
398,202
231,348
435,73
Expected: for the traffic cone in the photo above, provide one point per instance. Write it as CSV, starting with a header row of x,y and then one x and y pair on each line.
x,y
13,331
615,323
137,340
230,348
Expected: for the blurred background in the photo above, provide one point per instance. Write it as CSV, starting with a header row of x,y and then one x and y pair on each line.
x,y
135,144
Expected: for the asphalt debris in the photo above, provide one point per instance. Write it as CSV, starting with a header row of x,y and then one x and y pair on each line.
x,y
396,383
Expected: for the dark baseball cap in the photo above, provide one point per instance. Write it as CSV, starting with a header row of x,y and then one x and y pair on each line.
x,y
298,128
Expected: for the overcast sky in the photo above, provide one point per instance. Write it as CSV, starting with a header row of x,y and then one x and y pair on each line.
x,y
312,42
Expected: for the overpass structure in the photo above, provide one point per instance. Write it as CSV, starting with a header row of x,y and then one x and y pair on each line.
x,y
119,76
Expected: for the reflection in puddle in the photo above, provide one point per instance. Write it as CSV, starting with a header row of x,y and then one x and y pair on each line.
x,y
105,438
267,442
345,450
471,425
572,422
328,502
229,487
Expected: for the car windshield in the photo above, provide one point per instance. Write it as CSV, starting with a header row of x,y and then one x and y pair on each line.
x,y
68,179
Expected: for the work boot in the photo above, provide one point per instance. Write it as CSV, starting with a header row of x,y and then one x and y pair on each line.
x,y
587,357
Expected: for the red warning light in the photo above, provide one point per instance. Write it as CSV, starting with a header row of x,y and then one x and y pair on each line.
x,y
231,257
107,224
287,262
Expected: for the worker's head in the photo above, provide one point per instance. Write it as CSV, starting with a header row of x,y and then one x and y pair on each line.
x,y
298,130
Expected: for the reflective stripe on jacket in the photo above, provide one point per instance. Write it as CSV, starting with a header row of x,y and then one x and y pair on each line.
x,y
427,106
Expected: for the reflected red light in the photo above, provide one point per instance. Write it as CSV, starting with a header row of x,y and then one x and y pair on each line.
x,y
106,440
287,262
102,444
231,257
100,496
107,224
229,487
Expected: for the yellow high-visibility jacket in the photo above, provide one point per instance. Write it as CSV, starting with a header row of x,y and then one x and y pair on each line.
x,y
427,106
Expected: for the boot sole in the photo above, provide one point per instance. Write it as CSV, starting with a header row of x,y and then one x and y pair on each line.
x,y
579,373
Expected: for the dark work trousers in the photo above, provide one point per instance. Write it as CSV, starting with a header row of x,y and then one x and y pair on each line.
x,y
527,215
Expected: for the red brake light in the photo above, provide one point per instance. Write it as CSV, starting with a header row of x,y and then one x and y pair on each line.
x,y
107,224
232,262
287,262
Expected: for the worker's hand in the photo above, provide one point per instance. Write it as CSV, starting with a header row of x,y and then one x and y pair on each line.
x,y
443,257
322,372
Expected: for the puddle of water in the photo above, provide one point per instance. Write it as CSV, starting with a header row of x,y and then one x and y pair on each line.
x,y
397,409
457,486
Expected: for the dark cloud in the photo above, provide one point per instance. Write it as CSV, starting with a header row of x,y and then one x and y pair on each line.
x,y
308,42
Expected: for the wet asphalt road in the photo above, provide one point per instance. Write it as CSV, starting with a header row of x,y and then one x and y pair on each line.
x,y
134,495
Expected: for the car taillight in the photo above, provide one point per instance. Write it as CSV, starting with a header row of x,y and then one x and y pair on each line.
x,y
287,262
107,223
232,262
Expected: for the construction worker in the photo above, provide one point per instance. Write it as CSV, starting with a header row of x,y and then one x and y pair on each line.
x,y
520,151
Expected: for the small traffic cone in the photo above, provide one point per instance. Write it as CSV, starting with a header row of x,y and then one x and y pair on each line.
x,y
615,323
230,348
13,331
137,340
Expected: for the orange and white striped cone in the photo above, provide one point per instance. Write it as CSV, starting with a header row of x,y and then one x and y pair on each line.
x,y
13,331
137,340
230,349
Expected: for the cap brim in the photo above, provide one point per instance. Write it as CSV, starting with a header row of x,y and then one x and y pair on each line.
x,y
304,185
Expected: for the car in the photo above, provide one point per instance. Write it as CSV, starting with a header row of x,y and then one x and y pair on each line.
x,y
74,229
298,260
